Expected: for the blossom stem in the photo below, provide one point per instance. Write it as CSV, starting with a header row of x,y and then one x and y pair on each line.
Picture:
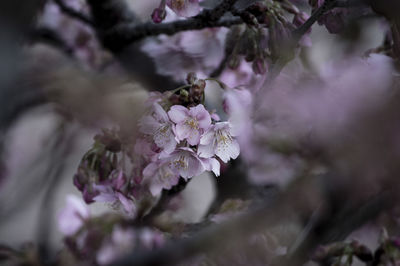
x,y
300,31
180,88
220,83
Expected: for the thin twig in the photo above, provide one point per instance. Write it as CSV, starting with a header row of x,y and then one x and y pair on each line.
x,y
305,27
218,71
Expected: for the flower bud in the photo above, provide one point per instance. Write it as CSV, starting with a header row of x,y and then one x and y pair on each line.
x,y
191,78
159,13
259,66
233,62
110,140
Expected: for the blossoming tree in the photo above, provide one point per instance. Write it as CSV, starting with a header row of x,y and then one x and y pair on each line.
x,y
288,107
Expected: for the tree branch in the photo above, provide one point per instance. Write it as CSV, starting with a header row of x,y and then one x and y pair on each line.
x,y
123,35
268,214
117,30
73,13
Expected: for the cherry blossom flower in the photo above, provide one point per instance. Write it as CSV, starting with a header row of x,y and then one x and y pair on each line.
x,y
160,176
190,51
124,240
159,125
128,205
150,238
72,217
121,242
186,163
211,164
190,123
237,103
219,141
243,75
236,99
184,8
108,195
146,148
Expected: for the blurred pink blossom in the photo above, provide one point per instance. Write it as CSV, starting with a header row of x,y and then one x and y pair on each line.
x,y
184,8
72,217
191,51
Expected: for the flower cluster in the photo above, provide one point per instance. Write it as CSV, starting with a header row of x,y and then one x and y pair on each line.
x,y
86,237
184,142
190,51
178,139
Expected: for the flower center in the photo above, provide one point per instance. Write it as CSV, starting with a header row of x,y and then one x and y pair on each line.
x,y
178,4
180,163
192,123
223,138
165,173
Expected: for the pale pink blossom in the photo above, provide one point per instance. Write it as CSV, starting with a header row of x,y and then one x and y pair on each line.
x,y
150,238
127,204
220,142
73,216
146,148
243,75
122,241
159,176
191,51
190,123
159,126
186,163
300,107
107,194
184,8
211,164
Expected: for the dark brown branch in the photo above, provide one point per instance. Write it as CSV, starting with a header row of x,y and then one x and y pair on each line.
x,y
124,35
50,37
118,29
73,13
328,5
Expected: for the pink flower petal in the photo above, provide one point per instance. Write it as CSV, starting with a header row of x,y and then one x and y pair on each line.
x,y
178,113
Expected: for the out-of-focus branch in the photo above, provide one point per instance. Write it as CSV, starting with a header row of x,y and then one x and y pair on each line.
x,y
124,35
328,5
117,28
300,31
268,214
338,228
50,37
74,13
350,3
